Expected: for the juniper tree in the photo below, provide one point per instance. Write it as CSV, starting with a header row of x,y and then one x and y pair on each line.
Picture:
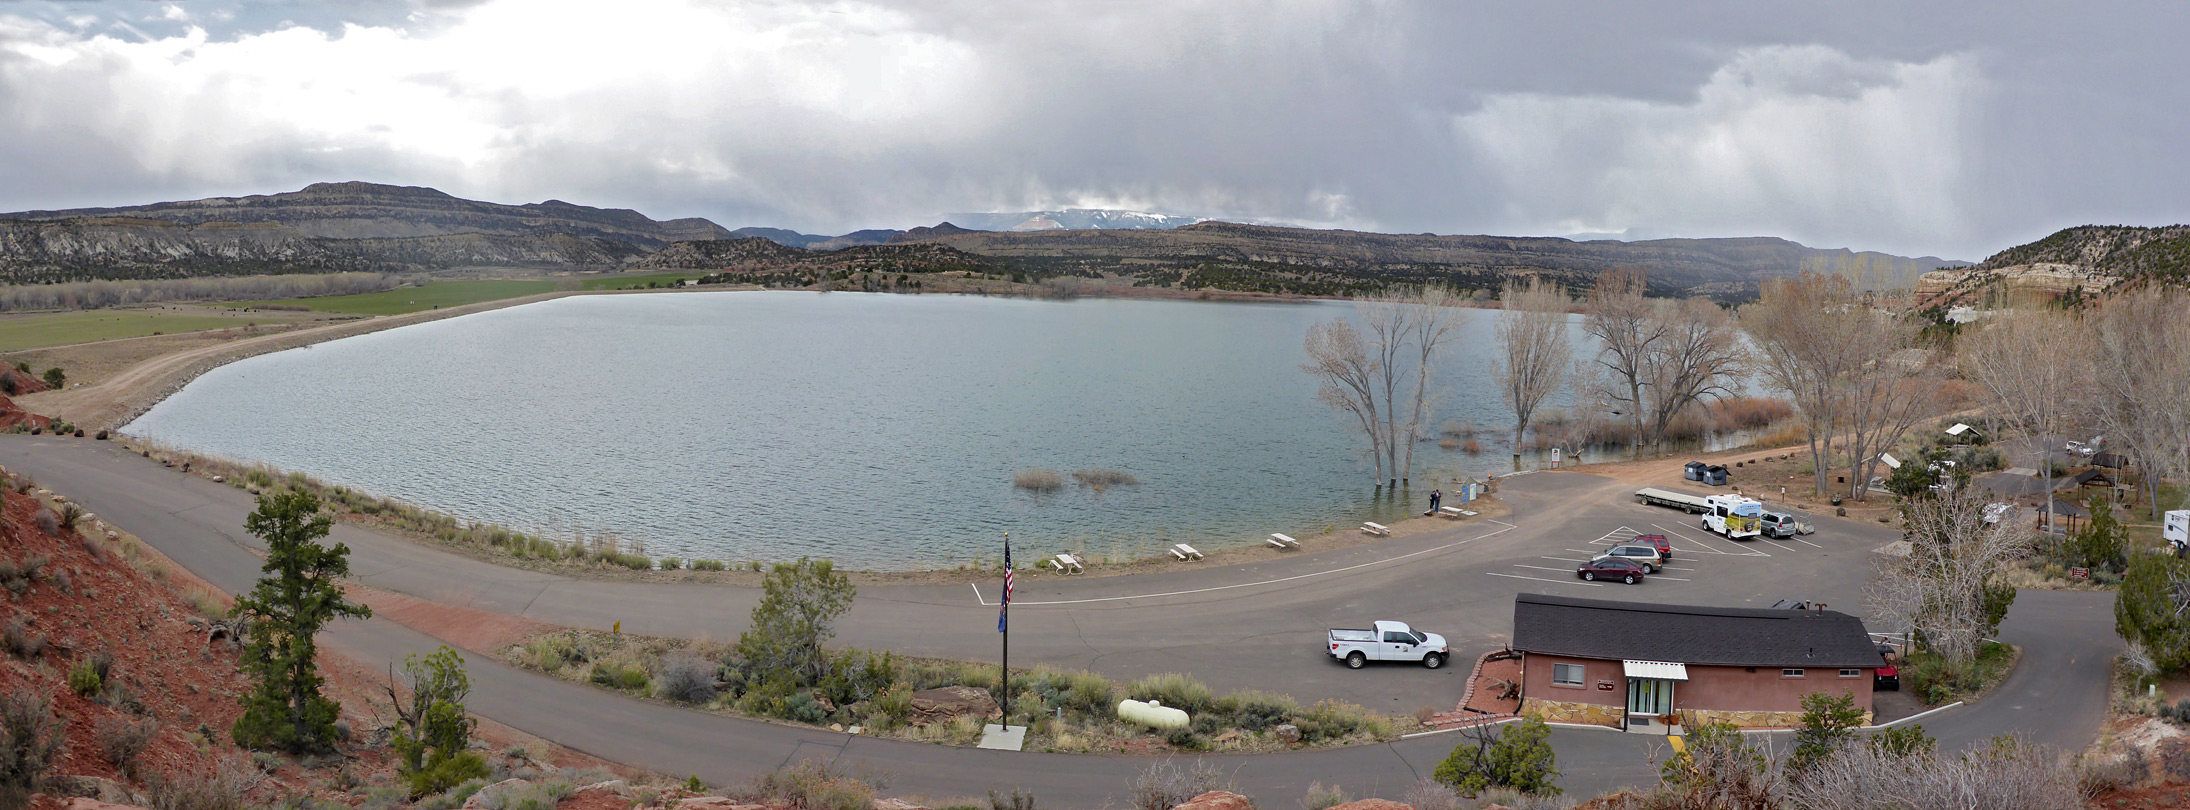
x,y
299,595
798,608
433,733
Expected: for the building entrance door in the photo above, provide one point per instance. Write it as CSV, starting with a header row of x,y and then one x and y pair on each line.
x,y
1647,700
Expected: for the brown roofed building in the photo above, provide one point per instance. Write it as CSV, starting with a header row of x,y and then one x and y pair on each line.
x,y
1646,667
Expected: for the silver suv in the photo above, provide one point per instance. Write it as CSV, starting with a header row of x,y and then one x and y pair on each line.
x,y
1782,525
1645,556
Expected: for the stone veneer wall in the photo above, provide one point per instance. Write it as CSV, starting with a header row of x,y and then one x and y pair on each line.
x,y
1553,711
1698,718
1595,714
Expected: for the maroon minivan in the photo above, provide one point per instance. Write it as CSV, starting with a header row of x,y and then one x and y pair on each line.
x,y
1656,541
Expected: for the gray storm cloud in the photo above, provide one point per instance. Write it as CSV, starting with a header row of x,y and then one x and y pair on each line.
x,y
1880,130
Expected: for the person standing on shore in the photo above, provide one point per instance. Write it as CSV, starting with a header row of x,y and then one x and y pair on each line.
x,y
1436,497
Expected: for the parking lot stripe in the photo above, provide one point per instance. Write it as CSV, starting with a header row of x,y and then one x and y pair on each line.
x,y
1538,567
1714,549
1807,543
1675,579
1541,579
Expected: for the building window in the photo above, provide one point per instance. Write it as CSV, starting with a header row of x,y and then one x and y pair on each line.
x,y
1851,673
1566,674
1790,673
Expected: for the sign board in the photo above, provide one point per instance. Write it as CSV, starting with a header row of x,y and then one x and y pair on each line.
x,y
2079,573
1604,686
2177,528
1554,457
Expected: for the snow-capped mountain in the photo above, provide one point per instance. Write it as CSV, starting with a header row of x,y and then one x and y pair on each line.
x,y
1071,219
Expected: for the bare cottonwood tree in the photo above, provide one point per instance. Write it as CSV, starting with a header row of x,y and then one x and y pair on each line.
x,y
1621,320
1660,355
1386,325
1380,374
1532,335
2141,386
1885,400
1698,356
1947,584
1339,357
1805,347
1435,315
2034,364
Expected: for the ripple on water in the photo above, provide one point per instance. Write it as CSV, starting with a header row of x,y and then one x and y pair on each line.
x,y
879,430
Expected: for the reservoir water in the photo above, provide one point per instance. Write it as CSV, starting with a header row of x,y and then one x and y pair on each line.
x,y
879,430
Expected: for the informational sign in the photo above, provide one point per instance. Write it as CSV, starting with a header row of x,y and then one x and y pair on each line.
x,y
2079,573
1554,457
1604,686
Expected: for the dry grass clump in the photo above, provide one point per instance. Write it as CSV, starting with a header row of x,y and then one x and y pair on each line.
x,y
1039,479
1101,478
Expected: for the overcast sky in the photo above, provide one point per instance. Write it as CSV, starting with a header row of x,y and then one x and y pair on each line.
x,y
1921,129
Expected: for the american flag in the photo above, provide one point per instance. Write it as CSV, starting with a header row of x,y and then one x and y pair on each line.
x,y
1005,609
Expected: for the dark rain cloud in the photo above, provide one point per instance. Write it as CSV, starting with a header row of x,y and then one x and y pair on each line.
x,y
1951,132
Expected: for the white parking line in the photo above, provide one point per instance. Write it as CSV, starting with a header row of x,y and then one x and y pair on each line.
x,y
1566,559
1807,543
1539,567
984,602
1675,579
1713,549
1540,579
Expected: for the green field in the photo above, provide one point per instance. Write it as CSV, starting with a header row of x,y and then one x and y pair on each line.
x,y
431,295
636,282
20,332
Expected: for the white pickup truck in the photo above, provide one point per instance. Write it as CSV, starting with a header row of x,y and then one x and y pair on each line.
x,y
1389,641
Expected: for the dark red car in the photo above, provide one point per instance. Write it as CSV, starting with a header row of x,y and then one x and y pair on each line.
x,y
1620,568
1656,541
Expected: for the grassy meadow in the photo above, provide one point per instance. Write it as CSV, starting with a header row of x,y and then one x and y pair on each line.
x,y
637,282
40,330
431,295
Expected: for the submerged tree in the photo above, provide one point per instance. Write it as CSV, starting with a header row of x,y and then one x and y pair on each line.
x,y
1340,359
1532,333
1378,375
299,595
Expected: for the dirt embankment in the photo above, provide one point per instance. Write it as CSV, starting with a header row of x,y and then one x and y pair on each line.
x,y
92,597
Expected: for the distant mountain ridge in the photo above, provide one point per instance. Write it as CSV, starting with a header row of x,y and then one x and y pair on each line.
x,y
359,210
1071,219
2083,260
1727,268
367,226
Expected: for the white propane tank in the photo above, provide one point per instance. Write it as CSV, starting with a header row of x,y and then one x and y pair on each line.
x,y
1152,714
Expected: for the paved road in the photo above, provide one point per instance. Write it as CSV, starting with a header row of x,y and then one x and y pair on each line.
x,y
1233,626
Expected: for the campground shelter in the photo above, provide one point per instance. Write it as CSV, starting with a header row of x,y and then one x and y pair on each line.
x,y
1646,667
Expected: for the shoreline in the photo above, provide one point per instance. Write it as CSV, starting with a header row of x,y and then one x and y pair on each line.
x,y
507,548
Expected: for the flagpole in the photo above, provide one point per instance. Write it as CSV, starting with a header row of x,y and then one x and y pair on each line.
x,y
1005,625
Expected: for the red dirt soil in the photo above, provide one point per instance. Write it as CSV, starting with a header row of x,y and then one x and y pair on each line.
x,y
87,598
12,414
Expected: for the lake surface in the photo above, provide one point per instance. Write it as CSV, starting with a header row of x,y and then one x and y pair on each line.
x,y
879,430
